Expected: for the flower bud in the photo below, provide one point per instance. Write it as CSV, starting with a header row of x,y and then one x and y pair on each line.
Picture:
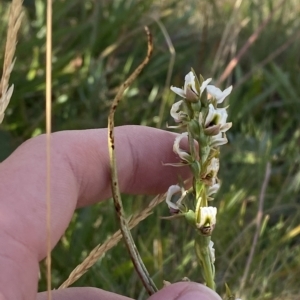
x,y
194,129
190,217
195,166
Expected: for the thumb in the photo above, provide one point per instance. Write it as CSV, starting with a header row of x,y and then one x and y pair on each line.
x,y
185,291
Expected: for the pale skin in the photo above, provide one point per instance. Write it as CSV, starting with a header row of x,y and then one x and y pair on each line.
x,y
80,177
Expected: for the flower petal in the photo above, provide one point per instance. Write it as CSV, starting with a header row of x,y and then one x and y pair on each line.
x,y
225,93
173,189
178,91
225,127
207,216
213,91
190,82
212,251
182,154
213,189
217,93
211,114
204,85
174,111
213,167
218,140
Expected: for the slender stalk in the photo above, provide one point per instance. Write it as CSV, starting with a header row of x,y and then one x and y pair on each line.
x,y
129,242
204,258
48,135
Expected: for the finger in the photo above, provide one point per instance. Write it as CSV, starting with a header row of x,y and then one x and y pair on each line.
x,y
185,291
177,291
79,176
86,293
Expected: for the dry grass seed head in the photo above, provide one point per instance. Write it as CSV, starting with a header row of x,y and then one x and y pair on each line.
x,y
99,250
14,22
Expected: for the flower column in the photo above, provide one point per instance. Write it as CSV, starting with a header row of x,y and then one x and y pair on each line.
x,y
205,126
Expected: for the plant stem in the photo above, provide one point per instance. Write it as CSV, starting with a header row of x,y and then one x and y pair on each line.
x,y
204,257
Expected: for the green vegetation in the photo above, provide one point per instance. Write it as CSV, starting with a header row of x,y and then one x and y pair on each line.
x,y
96,44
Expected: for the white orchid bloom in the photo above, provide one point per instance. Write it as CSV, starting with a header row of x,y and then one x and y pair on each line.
x,y
217,117
217,93
174,189
176,148
207,217
212,251
189,90
218,140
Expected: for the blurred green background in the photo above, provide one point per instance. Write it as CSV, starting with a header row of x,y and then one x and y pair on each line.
x,y
96,44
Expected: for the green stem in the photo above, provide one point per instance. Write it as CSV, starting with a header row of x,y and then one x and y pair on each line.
x,y
204,258
191,145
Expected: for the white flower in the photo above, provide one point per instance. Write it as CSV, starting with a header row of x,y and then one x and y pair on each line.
x,y
182,154
217,93
217,117
189,89
212,251
218,140
174,189
207,217
174,111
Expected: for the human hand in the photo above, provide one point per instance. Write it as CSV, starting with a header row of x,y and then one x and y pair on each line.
x,y
79,177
